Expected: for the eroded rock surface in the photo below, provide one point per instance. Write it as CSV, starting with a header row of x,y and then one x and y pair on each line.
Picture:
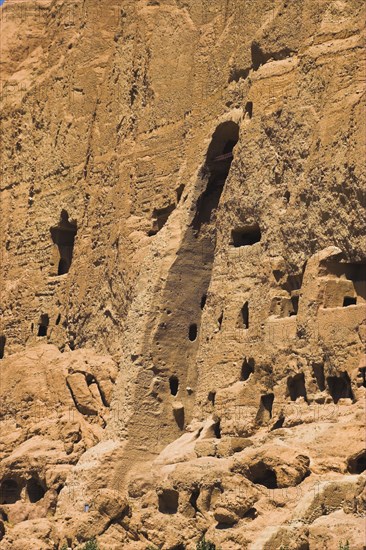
x,y
183,274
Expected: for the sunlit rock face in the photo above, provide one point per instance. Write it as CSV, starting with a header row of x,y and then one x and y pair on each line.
x,y
183,278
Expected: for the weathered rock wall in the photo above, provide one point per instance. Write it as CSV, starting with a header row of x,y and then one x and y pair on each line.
x,y
182,189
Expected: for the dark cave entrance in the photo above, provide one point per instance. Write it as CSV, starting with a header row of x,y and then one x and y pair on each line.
x,y
63,236
9,491
247,368
168,501
35,490
174,385
296,386
43,325
357,464
262,474
340,387
246,236
243,318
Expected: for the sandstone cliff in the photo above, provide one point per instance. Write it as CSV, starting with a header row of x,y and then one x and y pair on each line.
x,y
183,281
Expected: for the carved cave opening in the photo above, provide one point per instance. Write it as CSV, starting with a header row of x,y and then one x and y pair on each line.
x,y
192,332
243,317
43,325
247,368
174,385
168,500
218,163
245,236
340,387
10,491
296,386
35,491
63,236
349,301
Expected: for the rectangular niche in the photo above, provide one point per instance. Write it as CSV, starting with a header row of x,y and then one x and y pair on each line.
x,y
245,236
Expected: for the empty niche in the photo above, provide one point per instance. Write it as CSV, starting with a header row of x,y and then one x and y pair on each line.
x,y
216,170
295,305
43,325
174,385
243,317
247,368
349,301
63,236
10,491
58,319
294,282
192,332
168,500
340,387
245,236
296,386
35,491
264,414
357,464
2,345
203,301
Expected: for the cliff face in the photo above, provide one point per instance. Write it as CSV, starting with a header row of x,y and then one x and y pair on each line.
x,y
182,273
